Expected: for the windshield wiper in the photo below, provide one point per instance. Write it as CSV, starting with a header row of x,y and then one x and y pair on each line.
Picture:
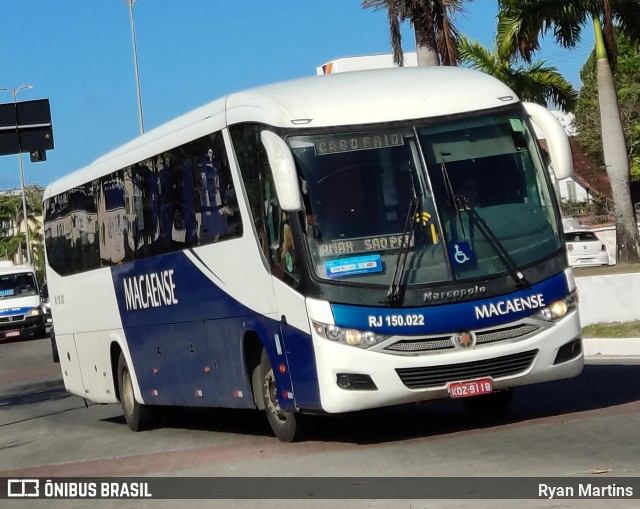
x,y
393,294
460,202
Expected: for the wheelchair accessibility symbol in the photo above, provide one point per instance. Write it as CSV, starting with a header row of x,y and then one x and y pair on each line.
x,y
461,253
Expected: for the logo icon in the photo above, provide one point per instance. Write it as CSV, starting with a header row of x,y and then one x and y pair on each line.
x,y
23,488
464,339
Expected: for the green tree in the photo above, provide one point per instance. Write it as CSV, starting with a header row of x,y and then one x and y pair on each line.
x,y
536,83
433,25
587,117
520,25
12,240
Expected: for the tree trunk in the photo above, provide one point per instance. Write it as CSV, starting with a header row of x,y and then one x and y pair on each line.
x,y
426,46
427,56
615,157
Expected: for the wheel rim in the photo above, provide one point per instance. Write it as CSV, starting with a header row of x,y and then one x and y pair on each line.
x,y
127,392
271,396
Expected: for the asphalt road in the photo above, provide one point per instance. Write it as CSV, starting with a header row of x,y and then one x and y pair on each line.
x,y
585,427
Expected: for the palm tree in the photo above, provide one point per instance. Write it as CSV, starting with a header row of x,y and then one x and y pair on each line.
x,y
536,83
522,22
37,249
11,213
432,21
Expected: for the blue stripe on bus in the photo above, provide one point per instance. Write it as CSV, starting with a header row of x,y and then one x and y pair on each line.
x,y
185,338
470,315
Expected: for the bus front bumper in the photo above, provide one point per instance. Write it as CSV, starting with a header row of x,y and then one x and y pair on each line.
x,y
383,379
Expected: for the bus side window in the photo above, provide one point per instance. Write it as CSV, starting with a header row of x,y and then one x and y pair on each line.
x,y
271,223
216,207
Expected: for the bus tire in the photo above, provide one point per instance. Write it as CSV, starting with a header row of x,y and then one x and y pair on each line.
x,y
487,404
285,425
139,417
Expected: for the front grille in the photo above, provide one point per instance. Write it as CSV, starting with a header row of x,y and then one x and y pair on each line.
x,y
421,345
436,376
490,336
431,344
9,319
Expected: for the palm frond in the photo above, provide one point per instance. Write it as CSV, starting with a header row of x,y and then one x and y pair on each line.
x,y
477,56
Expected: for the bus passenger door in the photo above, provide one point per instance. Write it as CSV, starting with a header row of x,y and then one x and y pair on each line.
x,y
289,342
296,348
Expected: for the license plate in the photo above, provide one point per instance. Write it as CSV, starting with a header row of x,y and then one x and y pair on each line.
x,y
471,388
11,333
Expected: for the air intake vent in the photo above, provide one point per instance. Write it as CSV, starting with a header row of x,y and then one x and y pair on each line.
x,y
437,376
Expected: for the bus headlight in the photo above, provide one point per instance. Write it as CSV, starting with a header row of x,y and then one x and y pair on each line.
x,y
559,308
352,337
32,312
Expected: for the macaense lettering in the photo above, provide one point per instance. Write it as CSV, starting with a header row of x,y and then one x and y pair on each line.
x,y
515,305
150,290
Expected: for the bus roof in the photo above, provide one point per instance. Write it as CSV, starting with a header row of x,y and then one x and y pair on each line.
x,y
353,98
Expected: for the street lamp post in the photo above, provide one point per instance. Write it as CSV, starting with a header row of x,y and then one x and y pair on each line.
x,y
14,92
131,4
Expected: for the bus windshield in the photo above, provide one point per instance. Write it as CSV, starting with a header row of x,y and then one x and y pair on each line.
x,y
470,198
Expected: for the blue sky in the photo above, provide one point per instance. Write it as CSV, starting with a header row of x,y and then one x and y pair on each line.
x,y
78,54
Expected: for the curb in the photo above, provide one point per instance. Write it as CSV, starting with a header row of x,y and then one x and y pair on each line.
x,y
611,347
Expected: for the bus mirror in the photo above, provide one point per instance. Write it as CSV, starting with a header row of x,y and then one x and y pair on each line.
x,y
284,171
557,140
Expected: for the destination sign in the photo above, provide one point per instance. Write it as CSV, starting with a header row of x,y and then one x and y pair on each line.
x,y
352,143
363,244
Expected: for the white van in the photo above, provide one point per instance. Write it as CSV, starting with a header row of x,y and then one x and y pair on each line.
x,y
21,314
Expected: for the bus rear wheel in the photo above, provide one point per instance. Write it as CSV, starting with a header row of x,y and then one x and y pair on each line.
x,y
285,425
138,417
489,404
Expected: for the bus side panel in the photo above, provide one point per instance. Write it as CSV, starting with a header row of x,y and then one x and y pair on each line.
x,y
174,304
191,363
83,302
298,346
302,368
93,354
70,365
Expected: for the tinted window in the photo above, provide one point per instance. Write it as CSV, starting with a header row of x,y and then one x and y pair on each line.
x,y
178,199
581,237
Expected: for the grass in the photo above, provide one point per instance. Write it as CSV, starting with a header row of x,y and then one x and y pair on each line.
x,y
616,329
613,330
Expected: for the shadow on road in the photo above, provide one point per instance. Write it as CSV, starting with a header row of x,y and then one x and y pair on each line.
x,y
29,394
598,388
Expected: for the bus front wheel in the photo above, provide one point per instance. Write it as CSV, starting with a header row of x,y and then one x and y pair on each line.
x,y
284,424
139,417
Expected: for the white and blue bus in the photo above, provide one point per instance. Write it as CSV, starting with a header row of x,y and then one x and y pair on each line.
x,y
325,245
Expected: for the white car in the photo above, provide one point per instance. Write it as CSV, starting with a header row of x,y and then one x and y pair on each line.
x,y
585,249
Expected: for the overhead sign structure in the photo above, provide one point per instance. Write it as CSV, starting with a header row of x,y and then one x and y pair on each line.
x,y
26,127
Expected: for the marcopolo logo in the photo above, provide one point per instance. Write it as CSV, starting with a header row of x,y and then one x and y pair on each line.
x,y
457,294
